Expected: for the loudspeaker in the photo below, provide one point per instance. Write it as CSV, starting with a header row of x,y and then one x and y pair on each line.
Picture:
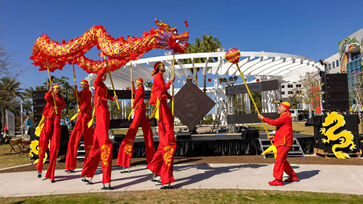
x,y
63,141
249,133
38,105
335,95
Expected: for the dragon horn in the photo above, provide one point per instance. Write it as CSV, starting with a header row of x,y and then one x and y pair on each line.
x,y
164,25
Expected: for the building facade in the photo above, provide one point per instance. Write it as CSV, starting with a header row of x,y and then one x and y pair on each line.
x,y
351,53
333,64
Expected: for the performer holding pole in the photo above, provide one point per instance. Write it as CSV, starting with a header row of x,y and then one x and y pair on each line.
x,y
163,161
283,141
81,128
125,151
102,146
52,115
233,55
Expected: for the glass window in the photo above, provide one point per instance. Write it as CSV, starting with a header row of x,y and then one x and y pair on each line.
x,y
283,92
298,85
337,62
289,86
333,65
290,92
329,66
283,86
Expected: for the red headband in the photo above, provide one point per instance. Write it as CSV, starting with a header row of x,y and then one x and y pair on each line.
x,y
140,80
156,65
286,105
84,82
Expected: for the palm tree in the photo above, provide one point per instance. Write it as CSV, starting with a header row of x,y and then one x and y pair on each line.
x,y
207,43
10,93
28,93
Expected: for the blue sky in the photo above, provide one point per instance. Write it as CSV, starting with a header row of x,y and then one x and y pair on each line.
x,y
307,28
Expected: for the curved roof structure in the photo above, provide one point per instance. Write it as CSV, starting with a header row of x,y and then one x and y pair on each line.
x,y
285,66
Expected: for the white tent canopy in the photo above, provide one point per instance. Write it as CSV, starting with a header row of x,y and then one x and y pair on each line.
x,y
269,64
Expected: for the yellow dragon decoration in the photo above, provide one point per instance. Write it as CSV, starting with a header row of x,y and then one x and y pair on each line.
x,y
345,137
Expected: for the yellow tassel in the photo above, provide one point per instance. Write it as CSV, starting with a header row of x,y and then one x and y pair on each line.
x,y
40,126
74,117
130,114
93,116
156,113
273,149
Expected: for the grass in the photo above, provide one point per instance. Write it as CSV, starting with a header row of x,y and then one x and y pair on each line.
x,y
11,159
193,196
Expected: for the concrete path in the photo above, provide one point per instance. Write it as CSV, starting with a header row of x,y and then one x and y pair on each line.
x,y
314,178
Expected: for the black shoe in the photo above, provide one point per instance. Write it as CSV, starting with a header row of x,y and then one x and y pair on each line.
x,y
39,175
52,181
69,171
167,187
85,180
106,188
90,183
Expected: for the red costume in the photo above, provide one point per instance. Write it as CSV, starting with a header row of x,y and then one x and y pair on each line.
x,y
51,129
125,151
283,142
81,127
163,161
101,146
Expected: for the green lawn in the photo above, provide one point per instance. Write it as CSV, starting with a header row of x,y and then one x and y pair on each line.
x,y
192,196
10,159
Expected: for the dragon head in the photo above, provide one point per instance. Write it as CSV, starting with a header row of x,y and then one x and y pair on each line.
x,y
333,117
168,38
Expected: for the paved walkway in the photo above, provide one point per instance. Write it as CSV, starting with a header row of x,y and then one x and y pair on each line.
x,y
315,178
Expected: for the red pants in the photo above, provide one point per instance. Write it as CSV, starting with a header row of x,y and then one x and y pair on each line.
x,y
51,129
125,151
101,147
281,163
80,127
163,162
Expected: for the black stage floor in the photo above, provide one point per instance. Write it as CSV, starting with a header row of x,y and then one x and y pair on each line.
x,y
216,145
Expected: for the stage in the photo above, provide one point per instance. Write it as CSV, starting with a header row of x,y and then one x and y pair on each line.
x,y
226,144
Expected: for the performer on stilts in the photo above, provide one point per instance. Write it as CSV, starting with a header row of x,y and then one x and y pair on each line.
x,y
81,128
163,161
283,141
101,146
126,148
52,115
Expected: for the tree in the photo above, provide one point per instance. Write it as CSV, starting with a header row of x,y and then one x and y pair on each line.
x,y
207,43
10,93
3,62
67,91
310,88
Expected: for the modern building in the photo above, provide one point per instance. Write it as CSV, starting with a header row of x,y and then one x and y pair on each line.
x,y
350,50
333,64
289,89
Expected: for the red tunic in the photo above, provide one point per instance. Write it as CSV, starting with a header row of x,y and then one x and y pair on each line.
x,y
85,105
283,136
139,97
48,111
159,89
